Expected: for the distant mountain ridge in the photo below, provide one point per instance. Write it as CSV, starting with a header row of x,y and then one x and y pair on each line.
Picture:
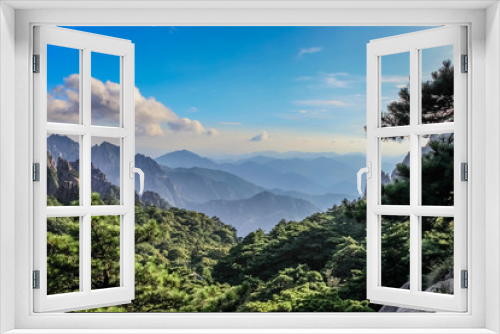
x,y
185,159
63,147
229,196
263,210
202,184
106,157
316,176
158,181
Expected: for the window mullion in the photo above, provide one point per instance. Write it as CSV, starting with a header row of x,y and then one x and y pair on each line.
x,y
86,251
397,131
86,120
81,236
433,129
415,191
86,241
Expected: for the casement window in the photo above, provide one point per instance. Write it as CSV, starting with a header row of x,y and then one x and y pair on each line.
x,y
475,232
418,131
82,216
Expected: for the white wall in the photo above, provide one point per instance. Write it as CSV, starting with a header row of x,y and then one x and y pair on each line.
x,y
480,106
7,160
492,148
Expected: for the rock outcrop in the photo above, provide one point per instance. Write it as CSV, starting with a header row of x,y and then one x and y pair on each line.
x,y
63,181
150,198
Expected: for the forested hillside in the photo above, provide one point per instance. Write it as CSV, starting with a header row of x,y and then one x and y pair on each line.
x,y
186,261
182,260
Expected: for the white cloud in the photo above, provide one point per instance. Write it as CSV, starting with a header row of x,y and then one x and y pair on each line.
x,y
152,118
230,123
313,49
186,124
321,103
63,102
263,136
212,132
333,80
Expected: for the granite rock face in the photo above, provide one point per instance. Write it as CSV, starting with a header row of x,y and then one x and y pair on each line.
x,y
63,181
68,180
150,198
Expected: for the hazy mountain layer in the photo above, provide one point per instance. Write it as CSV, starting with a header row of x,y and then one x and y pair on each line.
x,y
202,184
235,199
316,176
263,211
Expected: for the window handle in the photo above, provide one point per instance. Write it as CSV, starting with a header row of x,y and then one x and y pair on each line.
x,y
368,171
139,171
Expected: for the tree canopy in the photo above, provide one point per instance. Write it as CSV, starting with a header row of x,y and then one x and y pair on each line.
x,y
437,103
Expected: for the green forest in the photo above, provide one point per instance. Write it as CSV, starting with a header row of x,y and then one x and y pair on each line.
x,y
189,262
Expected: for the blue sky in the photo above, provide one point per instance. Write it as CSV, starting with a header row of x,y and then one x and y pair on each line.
x,y
244,89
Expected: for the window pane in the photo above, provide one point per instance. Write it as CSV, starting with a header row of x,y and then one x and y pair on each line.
x,y
105,89
395,89
105,252
437,84
63,84
437,169
437,254
395,170
106,157
63,255
395,251
63,170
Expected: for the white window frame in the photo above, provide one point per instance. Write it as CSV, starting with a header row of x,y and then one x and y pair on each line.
x,y
412,44
484,48
86,44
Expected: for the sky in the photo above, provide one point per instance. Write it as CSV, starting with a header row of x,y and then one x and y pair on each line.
x,y
222,91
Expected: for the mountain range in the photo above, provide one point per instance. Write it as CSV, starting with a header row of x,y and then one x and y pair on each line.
x,y
316,176
255,192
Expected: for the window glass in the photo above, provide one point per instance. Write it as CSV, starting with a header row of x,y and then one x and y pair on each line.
x,y
395,170
63,170
395,251
438,169
63,255
63,85
106,171
437,254
437,103
105,252
395,89
105,88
